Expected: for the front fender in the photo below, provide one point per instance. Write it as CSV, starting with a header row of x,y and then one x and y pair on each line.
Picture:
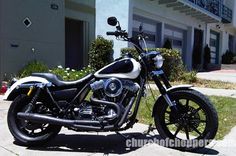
x,y
11,92
170,90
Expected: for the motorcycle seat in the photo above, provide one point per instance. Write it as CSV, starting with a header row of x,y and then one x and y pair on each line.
x,y
64,84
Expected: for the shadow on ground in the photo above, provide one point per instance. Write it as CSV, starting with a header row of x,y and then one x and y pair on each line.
x,y
113,143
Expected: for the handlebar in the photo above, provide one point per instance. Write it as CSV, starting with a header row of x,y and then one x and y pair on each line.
x,y
117,33
113,33
124,35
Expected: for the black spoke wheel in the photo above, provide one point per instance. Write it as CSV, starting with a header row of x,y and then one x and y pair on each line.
x,y
26,132
195,122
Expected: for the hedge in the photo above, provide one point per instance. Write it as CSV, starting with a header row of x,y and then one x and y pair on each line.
x,y
63,73
101,53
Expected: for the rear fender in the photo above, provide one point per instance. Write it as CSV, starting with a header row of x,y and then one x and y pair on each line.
x,y
170,90
12,92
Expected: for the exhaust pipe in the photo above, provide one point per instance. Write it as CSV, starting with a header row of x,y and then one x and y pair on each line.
x,y
83,125
39,118
107,103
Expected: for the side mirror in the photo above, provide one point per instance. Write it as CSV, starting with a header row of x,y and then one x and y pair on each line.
x,y
112,21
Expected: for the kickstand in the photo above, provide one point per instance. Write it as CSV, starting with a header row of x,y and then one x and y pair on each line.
x,y
150,129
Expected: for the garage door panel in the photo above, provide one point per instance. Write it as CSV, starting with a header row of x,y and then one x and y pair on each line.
x,y
214,46
213,49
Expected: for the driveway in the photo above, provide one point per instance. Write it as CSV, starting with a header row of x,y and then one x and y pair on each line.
x,y
226,75
228,66
72,143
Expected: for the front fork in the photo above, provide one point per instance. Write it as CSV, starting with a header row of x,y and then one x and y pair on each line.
x,y
157,76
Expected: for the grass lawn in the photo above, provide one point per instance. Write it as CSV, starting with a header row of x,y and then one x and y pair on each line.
x,y
226,108
209,84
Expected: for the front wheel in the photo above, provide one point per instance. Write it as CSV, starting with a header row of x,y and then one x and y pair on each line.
x,y
195,124
25,132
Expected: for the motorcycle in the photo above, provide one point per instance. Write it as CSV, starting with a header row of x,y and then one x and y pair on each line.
x,y
42,103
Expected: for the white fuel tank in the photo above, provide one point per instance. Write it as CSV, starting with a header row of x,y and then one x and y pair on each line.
x,y
126,68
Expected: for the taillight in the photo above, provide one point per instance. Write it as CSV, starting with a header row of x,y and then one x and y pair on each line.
x,y
3,88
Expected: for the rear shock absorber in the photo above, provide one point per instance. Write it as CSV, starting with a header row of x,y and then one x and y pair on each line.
x,y
33,101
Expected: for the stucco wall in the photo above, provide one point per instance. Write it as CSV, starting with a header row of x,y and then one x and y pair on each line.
x,y
84,11
153,10
160,13
119,9
167,16
43,40
232,5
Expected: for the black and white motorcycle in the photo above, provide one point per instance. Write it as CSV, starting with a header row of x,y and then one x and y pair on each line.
x,y
42,103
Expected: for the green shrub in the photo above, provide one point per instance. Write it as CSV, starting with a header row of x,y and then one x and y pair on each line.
x,y
173,65
234,59
131,51
207,56
32,67
68,74
189,77
228,57
101,53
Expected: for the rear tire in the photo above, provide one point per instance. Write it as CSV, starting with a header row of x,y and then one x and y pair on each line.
x,y
20,129
192,120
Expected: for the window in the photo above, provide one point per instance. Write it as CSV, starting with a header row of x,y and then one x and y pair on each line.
x,y
177,43
149,28
175,35
149,37
212,42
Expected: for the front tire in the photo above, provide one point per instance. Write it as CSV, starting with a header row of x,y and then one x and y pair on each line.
x,y
197,120
28,133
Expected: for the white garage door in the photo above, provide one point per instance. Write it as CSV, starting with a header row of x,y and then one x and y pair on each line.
x,y
214,46
175,36
149,30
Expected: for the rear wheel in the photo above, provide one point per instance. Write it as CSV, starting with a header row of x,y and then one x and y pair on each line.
x,y
26,132
195,125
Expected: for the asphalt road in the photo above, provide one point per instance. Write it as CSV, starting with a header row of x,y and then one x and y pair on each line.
x,y
73,143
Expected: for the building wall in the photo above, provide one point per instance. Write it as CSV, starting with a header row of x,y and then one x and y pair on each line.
x,y
121,10
179,22
231,27
84,11
225,30
43,40
232,5
152,13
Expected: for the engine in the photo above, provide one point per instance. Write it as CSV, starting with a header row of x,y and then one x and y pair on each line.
x,y
114,89
108,94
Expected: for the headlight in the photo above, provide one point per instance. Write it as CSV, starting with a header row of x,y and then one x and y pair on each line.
x,y
158,61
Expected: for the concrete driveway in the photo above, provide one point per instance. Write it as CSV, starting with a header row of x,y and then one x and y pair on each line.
x,y
72,143
226,75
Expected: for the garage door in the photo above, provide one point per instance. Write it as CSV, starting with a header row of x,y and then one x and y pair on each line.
x,y
149,30
214,46
175,36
